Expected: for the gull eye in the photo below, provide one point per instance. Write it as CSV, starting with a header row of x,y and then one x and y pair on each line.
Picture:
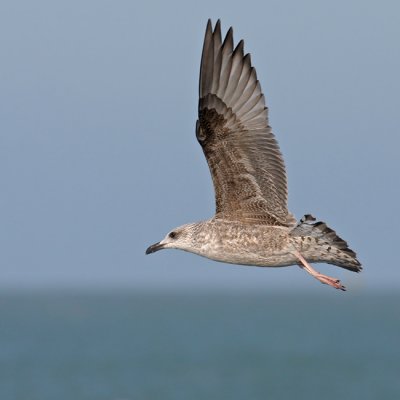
x,y
172,235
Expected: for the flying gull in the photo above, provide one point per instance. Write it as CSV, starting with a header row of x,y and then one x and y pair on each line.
x,y
252,224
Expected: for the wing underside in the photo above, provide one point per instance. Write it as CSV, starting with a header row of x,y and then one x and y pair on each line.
x,y
243,155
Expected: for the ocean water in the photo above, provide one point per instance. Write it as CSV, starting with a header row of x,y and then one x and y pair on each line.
x,y
189,346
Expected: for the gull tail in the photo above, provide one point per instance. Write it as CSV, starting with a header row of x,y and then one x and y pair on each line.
x,y
319,243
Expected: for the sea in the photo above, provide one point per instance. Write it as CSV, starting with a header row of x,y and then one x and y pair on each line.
x,y
197,345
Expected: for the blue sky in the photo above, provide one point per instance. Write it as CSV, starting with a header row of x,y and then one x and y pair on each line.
x,y
98,157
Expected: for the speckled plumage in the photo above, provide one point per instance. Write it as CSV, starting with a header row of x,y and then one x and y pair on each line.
x,y
252,224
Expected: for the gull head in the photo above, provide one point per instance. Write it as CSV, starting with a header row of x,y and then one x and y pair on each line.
x,y
182,238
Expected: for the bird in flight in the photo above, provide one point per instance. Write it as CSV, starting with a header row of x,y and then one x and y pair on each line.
x,y
252,224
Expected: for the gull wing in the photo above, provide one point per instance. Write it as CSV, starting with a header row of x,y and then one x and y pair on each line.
x,y
242,153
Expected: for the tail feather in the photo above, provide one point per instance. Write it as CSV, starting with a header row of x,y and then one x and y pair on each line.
x,y
319,243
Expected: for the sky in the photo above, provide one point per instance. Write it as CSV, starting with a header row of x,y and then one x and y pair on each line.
x,y
98,155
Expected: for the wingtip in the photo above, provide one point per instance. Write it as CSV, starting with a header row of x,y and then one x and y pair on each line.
x,y
217,34
217,30
228,41
247,60
209,26
217,24
240,48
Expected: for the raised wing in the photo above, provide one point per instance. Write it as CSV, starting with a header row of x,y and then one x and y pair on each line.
x,y
243,155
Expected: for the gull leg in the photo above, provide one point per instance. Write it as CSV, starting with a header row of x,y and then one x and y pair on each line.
x,y
322,278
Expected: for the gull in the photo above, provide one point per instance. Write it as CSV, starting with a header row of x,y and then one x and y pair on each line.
x,y
252,225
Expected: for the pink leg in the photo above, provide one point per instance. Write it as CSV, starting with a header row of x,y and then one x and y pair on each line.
x,y
322,278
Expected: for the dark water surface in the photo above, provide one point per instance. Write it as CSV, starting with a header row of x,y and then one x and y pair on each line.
x,y
199,346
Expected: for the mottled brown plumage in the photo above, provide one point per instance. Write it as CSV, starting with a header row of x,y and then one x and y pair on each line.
x,y
252,224
243,155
